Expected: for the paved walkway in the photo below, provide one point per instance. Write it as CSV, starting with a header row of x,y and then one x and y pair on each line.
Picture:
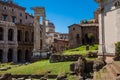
x,y
109,60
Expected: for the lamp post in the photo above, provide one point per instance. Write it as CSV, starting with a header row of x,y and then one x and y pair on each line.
x,y
101,9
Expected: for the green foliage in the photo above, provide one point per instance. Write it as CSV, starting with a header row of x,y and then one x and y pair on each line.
x,y
90,36
40,67
81,50
117,49
84,21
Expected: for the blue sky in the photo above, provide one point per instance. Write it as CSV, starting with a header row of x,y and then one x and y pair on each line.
x,y
63,12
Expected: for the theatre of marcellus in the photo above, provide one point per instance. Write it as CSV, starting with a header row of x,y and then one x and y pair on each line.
x,y
18,30
17,40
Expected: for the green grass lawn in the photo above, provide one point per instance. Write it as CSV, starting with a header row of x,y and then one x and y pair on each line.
x,y
40,67
81,50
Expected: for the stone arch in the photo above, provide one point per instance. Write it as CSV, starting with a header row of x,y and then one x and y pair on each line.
x,y
10,55
19,55
27,56
1,33
19,35
1,55
10,34
89,38
26,36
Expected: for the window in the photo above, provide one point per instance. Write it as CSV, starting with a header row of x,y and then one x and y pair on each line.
x,y
19,35
26,36
73,28
4,7
13,19
12,10
4,17
20,14
1,33
10,35
20,21
78,36
26,17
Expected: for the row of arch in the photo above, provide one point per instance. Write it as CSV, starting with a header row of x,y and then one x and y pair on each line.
x,y
19,35
20,58
10,34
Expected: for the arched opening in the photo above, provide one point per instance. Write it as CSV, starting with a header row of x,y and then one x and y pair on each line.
x,y
1,55
19,56
1,33
27,56
89,38
10,55
19,35
41,44
26,36
10,34
78,39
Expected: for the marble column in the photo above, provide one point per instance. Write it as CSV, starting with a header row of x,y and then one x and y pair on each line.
x,y
38,12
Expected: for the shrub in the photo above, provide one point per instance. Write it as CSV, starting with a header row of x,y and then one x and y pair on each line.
x,y
90,36
92,55
117,49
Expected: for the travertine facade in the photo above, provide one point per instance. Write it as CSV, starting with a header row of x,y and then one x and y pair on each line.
x,y
16,33
109,25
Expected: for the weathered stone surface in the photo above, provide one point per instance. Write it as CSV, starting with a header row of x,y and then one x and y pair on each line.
x,y
80,66
92,55
63,58
62,77
6,77
43,78
3,69
98,64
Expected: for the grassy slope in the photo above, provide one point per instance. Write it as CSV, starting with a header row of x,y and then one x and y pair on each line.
x,y
40,68
80,50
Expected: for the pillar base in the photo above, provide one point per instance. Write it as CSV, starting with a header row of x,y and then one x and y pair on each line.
x,y
36,56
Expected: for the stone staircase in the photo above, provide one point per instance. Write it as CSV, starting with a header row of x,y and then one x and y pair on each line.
x,y
109,72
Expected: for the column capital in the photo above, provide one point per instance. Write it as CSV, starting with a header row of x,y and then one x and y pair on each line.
x,y
39,11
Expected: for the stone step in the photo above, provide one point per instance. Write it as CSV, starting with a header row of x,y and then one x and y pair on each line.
x,y
110,71
109,75
116,69
117,66
105,74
